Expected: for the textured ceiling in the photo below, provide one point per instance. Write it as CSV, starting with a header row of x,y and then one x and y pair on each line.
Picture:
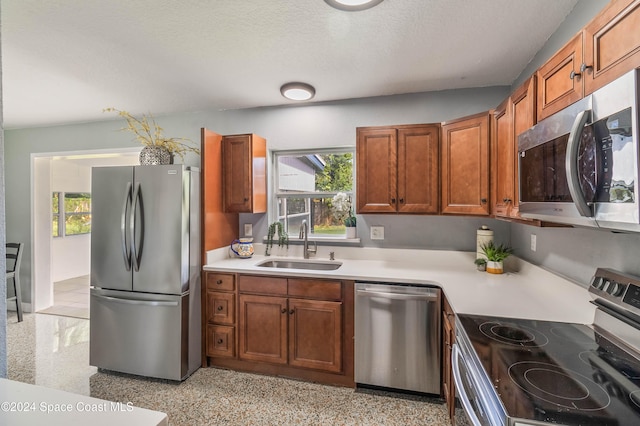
x,y
63,61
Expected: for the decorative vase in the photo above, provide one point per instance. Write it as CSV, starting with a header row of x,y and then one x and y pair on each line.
x,y
351,231
495,267
152,155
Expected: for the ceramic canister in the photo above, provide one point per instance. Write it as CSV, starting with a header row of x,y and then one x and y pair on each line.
x,y
484,235
243,247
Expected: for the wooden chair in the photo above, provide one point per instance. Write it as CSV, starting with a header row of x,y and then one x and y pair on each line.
x,y
14,257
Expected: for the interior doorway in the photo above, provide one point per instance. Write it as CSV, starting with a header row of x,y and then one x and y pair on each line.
x,y
63,260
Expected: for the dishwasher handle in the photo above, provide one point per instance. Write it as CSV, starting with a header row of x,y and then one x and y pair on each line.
x,y
432,296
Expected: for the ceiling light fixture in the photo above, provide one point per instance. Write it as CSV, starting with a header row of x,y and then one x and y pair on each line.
x,y
353,5
298,91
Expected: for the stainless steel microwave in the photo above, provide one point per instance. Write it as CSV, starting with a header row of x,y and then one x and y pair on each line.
x,y
580,165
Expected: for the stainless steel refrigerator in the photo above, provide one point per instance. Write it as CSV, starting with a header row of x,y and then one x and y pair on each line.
x,y
145,270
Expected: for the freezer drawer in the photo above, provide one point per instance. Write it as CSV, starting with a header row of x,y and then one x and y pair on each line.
x,y
142,334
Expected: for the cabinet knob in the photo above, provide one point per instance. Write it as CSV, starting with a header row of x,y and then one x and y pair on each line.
x,y
220,307
284,310
220,341
291,312
506,200
585,67
393,201
219,282
246,199
483,200
401,200
574,75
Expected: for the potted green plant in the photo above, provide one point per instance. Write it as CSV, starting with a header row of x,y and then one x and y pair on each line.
x,y
343,211
496,254
481,263
158,149
276,228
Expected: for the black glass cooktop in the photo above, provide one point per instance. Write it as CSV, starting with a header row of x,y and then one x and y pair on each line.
x,y
557,372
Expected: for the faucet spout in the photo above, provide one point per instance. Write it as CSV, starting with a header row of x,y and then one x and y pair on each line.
x,y
304,233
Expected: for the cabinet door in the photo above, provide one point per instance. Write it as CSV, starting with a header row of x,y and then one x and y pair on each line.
x,y
236,152
523,101
263,328
376,169
315,334
612,43
465,166
559,79
502,155
418,169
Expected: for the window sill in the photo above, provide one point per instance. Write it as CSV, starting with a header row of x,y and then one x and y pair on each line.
x,y
329,241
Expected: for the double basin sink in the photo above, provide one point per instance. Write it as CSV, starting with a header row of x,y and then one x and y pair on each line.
x,y
300,264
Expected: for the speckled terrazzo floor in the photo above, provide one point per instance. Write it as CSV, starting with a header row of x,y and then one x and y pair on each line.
x,y
53,351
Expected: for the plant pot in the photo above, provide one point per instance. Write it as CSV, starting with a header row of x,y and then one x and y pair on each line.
x,y
351,231
152,155
495,267
482,267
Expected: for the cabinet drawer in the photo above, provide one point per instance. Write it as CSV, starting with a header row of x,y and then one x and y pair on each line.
x,y
220,282
317,289
262,285
221,307
221,341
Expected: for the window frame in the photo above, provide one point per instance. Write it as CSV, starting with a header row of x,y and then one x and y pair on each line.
x,y
62,213
274,195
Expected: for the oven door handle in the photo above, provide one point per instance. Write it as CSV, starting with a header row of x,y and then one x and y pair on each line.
x,y
456,355
571,164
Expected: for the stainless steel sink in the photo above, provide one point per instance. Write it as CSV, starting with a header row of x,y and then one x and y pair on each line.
x,y
300,264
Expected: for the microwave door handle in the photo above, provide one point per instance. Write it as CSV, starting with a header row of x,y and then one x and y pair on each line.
x,y
571,164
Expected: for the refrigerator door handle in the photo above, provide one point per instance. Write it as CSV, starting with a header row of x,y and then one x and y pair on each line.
x,y
136,250
126,252
137,302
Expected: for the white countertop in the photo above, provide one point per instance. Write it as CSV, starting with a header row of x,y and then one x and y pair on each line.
x,y
523,291
25,404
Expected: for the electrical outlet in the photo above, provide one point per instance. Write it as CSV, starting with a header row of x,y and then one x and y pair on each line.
x,y
377,232
534,242
248,229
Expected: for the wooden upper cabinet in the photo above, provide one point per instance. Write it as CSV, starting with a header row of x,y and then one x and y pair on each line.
x,y
523,104
465,166
612,43
418,169
376,165
515,115
397,169
560,79
218,227
245,179
502,159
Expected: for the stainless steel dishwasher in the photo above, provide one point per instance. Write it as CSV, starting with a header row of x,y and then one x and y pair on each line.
x,y
397,336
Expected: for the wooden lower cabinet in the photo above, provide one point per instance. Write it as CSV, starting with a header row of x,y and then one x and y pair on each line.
x,y
292,327
315,334
263,328
448,336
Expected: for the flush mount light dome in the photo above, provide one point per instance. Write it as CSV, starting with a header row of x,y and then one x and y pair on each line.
x,y
353,5
298,91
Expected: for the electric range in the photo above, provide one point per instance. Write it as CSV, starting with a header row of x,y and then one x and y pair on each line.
x,y
529,372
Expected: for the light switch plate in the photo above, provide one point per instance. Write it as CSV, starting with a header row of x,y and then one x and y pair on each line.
x,y
248,229
377,232
534,242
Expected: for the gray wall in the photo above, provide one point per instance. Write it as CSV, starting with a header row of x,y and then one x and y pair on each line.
x,y
312,126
